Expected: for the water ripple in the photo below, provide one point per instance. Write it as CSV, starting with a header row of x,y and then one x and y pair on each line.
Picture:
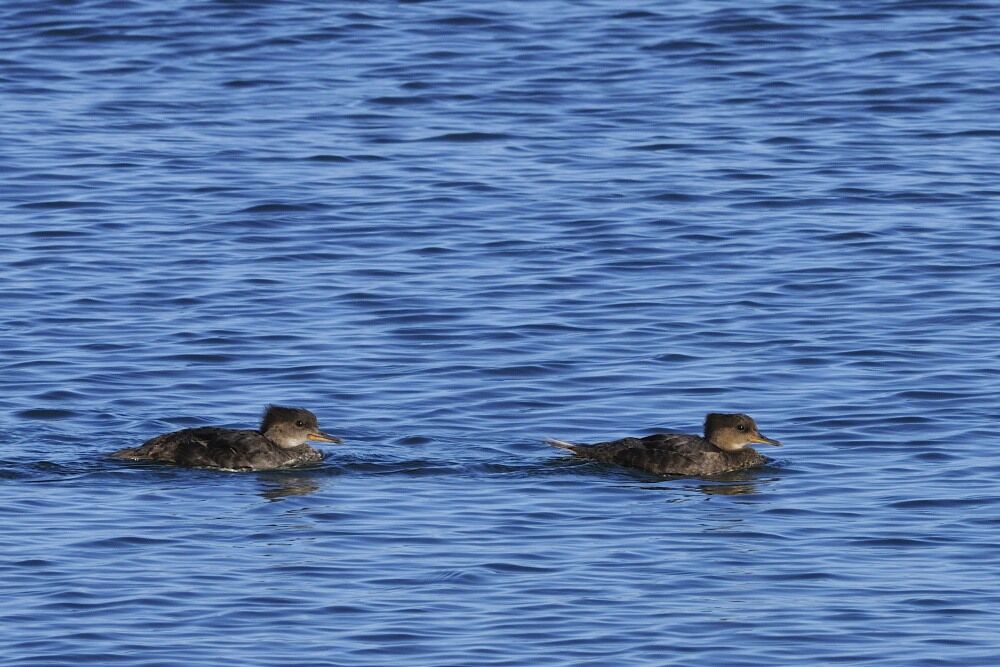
x,y
452,230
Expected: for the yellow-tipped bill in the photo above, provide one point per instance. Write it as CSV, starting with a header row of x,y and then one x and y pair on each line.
x,y
764,440
319,435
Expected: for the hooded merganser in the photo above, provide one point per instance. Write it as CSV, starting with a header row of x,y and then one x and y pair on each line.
x,y
280,442
724,448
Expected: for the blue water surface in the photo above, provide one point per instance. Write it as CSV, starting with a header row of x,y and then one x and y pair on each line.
x,y
452,229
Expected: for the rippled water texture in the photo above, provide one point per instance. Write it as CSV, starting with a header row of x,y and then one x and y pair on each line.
x,y
451,229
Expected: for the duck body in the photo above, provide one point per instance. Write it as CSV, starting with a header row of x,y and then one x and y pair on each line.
x,y
670,454
212,447
280,443
724,448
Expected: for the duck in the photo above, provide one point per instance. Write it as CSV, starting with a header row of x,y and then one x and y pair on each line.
x,y
724,447
279,442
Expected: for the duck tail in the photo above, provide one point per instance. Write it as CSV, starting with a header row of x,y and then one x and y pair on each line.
x,y
131,453
561,444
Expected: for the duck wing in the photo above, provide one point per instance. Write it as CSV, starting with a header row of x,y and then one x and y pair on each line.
x,y
205,446
661,453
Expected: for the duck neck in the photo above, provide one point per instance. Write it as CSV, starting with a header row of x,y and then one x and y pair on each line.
x,y
281,439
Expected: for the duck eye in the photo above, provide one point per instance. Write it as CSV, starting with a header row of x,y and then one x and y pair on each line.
x,y
300,423
741,427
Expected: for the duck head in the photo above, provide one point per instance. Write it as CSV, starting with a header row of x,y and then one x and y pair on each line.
x,y
291,427
733,432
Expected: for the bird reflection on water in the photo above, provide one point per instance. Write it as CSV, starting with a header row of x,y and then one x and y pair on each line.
x,y
277,486
728,489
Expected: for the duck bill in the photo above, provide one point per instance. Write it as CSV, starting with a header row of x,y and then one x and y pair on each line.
x,y
759,439
325,437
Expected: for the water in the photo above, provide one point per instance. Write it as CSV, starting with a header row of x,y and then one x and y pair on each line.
x,y
454,228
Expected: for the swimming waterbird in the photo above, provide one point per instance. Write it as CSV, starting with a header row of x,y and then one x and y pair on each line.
x,y
280,442
725,447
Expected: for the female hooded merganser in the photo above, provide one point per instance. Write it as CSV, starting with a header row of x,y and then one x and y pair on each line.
x,y
723,449
280,442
